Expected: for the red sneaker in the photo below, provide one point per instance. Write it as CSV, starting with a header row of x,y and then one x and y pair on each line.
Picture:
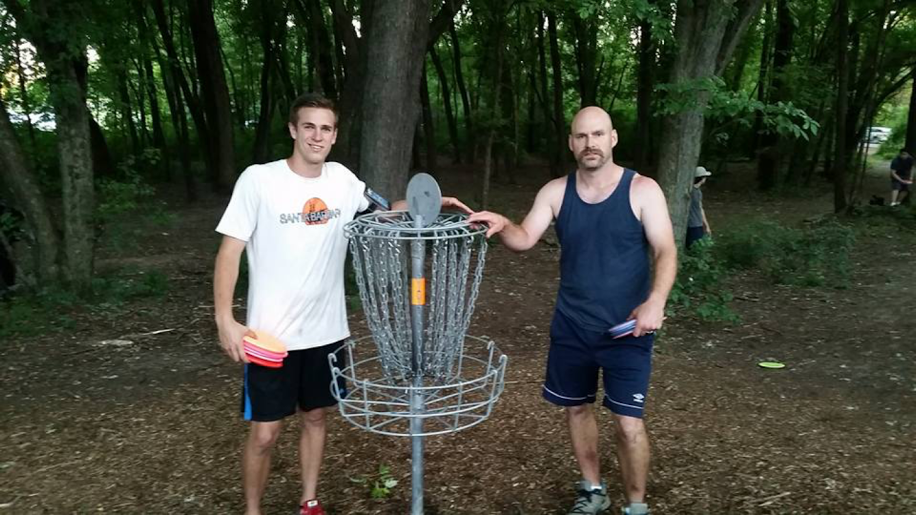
x,y
312,507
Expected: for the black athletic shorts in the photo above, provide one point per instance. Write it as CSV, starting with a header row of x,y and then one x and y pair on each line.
x,y
303,382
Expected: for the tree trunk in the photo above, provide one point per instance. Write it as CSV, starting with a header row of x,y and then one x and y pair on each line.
x,y
102,163
181,84
58,36
180,126
763,77
74,149
158,134
138,90
447,102
733,82
531,120
586,46
320,45
394,51
644,91
550,123
840,158
262,133
281,54
429,130
351,96
488,161
700,31
23,183
768,159
125,110
559,120
214,90
471,137
911,118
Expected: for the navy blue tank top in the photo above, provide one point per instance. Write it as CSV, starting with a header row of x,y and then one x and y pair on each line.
x,y
604,260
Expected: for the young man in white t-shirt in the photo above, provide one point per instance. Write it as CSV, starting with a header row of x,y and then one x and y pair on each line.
x,y
288,216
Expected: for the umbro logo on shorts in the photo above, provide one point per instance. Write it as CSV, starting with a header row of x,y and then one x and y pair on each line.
x,y
638,397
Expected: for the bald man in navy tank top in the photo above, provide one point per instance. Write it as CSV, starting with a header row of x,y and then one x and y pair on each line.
x,y
612,225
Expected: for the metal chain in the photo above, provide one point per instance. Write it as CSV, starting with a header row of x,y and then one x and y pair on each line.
x,y
380,247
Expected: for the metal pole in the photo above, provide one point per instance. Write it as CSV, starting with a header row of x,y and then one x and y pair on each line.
x,y
417,303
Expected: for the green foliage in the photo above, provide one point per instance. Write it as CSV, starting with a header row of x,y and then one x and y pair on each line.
x,y
39,313
117,198
728,107
815,255
894,116
699,287
53,310
127,207
379,484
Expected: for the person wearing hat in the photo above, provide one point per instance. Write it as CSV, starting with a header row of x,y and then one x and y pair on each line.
x,y
697,224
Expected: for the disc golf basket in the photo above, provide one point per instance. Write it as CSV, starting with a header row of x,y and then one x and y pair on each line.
x,y
418,273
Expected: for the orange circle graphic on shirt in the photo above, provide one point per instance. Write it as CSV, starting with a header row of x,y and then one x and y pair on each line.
x,y
315,212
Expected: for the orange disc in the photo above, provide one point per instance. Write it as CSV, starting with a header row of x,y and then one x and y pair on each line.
x,y
263,362
266,342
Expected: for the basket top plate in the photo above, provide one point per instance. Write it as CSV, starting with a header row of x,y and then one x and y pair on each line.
x,y
424,199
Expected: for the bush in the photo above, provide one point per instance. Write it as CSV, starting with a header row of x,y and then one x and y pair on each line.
x,y
51,310
127,209
699,284
817,255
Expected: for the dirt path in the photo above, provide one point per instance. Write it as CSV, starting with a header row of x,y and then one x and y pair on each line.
x,y
150,425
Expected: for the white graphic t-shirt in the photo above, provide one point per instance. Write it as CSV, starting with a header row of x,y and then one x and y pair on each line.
x,y
293,227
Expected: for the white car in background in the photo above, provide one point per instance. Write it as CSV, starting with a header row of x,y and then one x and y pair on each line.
x,y
877,134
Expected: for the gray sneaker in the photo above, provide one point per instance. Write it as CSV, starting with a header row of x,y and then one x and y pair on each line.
x,y
636,508
589,501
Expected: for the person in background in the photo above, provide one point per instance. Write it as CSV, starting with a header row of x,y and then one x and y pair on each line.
x,y
697,224
901,176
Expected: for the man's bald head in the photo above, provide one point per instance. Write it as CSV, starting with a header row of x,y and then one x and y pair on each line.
x,y
591,116
592,137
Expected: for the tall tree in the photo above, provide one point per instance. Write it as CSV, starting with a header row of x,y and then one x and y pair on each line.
x,y
644,91
768,159
268,18
20,178
706,33
586,32
182,85
429,129
840,158
470,133
214,90
398,36
559,120
911,117
56,30
447,104
549,116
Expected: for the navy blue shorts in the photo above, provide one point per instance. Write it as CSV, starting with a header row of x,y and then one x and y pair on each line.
x,y
899,186
303,382
576,355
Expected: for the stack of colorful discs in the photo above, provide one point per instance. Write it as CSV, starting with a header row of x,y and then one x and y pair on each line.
x,y
264,350
621,330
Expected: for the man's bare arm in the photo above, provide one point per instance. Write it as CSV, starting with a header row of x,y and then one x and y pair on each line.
x,y
225,276
521,237
657,226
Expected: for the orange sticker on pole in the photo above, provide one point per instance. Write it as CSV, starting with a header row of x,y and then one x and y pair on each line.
x,y
418,291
